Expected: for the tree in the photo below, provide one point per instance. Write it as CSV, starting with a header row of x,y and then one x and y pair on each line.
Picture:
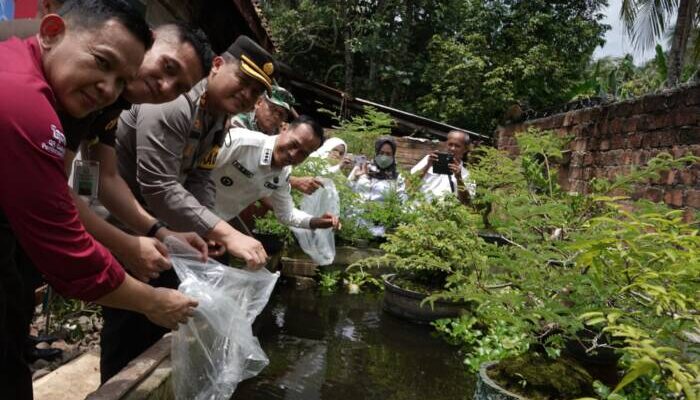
x,y
647,21
504,52
460,61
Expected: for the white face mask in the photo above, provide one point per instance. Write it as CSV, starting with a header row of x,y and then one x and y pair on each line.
x,y
383,161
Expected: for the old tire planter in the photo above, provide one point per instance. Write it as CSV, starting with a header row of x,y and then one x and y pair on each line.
x,y
406,304
488,389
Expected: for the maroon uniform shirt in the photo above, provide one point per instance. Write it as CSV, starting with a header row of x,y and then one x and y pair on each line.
x,y
34,192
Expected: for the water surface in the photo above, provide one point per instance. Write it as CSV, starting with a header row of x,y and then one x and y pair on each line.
x,y
342,346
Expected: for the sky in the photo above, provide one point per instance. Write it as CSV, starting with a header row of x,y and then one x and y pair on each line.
x,y
617,43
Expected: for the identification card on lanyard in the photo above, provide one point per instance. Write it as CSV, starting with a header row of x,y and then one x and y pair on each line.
x,y
86,178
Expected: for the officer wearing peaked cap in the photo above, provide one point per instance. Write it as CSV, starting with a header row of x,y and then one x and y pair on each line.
x,y
166,153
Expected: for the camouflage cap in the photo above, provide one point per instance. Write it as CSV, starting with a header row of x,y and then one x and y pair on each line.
x,y
280,97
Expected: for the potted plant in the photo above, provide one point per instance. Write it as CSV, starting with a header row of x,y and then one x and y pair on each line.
x,y
576,267
423,253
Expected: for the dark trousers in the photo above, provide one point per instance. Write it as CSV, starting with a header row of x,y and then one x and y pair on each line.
x,y
15,376
127,334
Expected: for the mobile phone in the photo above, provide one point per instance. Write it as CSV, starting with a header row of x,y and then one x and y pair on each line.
x,y
442,165
360,160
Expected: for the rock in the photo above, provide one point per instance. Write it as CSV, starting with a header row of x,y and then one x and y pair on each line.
x,y
40,364
85,322
42,345
302,282
61,344
39,373
353,288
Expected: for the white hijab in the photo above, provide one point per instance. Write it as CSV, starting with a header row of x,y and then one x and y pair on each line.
x,y
328,146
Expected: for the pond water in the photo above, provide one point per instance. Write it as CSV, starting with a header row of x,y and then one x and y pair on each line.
x,y
340,346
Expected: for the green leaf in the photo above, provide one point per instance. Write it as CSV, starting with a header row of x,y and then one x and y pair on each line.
x,y
638,368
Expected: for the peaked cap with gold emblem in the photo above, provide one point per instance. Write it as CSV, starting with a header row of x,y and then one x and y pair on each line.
x,y
255,61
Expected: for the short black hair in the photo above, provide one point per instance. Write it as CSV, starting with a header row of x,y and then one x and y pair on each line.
x,y
94,13
195,38
315,126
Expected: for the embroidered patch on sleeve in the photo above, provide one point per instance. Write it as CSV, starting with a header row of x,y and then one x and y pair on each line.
x,y
57,144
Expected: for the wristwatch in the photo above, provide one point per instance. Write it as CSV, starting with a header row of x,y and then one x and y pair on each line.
x,y
154,229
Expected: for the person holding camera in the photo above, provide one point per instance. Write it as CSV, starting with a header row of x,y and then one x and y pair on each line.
x,y
373,181
444,172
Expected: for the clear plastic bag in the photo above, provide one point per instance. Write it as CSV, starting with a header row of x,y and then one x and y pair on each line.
x,y
216,349
319,244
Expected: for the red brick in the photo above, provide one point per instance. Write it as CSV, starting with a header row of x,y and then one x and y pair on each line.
x,y
576,173
617,141
688,176
631,124
588,159
578,145
616,126
557,120
602,128
638,157
692,96
568,119
626,157
667,178
689,135
576,159
652,103
692,198
664,138
695,149
604,144
688,215
678,151
612,172
668,138
634,140
686,116
659,121
674,198
654,194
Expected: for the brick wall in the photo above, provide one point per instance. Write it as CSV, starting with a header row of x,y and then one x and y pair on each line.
x,y
410,151
608,140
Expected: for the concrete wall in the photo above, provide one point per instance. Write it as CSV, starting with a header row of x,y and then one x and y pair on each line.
x,y
608,140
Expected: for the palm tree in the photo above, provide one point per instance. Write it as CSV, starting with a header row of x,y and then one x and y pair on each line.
x,y
648,20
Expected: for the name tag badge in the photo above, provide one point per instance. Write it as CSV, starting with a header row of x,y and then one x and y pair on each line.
x,y
86,178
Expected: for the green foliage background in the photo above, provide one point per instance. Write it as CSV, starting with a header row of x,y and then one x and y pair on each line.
x,y
464,62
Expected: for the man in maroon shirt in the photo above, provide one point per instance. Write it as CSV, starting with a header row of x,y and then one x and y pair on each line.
x,y
77,64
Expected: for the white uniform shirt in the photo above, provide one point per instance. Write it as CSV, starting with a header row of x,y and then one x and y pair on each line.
x,y
243,175
438,185
371,189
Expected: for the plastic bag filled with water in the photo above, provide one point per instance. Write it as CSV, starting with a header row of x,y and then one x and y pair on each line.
x,y
216,349
319,244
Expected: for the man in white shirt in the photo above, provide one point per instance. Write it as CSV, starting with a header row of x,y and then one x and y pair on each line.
x,y
436,185
251,165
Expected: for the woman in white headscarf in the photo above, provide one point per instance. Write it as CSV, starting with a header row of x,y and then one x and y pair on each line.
x,y
334,150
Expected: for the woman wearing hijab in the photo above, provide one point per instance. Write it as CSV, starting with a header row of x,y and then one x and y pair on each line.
x,y
334,150
378,179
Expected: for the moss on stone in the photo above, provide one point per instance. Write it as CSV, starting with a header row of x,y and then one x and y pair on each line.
x,y
539,378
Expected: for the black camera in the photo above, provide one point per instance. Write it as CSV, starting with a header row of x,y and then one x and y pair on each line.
x,y
442,165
